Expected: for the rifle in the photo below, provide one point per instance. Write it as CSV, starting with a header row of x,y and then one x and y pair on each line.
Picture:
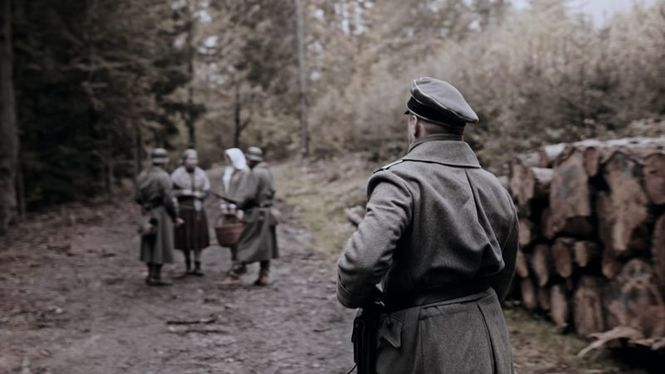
x,y
224,198
364,337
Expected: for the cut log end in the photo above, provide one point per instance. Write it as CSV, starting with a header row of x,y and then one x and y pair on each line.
x,y
588,306
562,254
529,298
559,307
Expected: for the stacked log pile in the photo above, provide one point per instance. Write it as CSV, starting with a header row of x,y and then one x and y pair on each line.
x,y
592,237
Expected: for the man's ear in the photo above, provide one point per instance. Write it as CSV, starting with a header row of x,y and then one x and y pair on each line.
x,y
418,129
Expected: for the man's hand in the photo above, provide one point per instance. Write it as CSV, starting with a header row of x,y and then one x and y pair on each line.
x,y
179,221
355,214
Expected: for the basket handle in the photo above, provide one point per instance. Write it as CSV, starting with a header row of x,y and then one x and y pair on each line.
x,y
222,218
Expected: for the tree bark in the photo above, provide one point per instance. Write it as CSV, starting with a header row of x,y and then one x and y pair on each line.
x,y
654,177
520,173
562,254
623,212
9,142
302,102
610,264
543,295
549,154
588,306
190,118
570,199
658,249
541,261
526,234
586,253
635,300
529,299
559,306
521,265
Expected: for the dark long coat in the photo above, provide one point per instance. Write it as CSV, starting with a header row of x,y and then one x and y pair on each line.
x,y
155,195
259,239
435,219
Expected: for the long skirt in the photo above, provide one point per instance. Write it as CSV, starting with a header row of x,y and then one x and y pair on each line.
x,y
193,234
158,248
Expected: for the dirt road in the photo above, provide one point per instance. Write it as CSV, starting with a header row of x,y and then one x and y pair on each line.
x,y
73,301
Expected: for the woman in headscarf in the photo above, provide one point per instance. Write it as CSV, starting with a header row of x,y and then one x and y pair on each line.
x,y
191,186
237,188
235,173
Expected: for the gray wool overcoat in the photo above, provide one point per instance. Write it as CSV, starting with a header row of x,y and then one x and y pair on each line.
x,y
435,220
258,241
155,195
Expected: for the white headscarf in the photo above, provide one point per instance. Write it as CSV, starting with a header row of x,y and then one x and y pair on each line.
x,y
238,163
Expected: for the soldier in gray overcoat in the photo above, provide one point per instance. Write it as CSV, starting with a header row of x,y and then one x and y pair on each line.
x,y
439,239
258,242
159,211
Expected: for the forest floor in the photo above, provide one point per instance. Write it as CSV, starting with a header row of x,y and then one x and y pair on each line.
x,y
72,297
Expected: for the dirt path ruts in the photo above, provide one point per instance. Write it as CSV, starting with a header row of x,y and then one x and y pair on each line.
x,y
72,300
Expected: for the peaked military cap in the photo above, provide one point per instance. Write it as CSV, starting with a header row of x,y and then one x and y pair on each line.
x,y
439,102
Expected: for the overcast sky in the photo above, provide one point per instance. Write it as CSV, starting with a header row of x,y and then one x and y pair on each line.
x,y
599,10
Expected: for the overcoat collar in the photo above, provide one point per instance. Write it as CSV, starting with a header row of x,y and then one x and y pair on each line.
x,y
442,149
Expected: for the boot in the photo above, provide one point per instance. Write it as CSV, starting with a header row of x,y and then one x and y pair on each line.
x,y
262,280
232,279
197,269
188,266
157,279
151,274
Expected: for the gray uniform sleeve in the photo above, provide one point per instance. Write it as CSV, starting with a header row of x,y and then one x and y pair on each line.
x,y
368,254
501,282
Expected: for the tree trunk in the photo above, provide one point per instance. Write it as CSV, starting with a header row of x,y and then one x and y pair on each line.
x,y
562,254
190,117
623,213
237,124
138,149
588,306
302,102
559,306
9,142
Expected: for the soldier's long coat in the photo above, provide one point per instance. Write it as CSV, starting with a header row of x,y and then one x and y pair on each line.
x,y
155,195
435,219
258,241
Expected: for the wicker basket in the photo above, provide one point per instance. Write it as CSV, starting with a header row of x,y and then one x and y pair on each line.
x,y
228,230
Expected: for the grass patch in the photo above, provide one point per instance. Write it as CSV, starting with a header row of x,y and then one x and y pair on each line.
x,y
539,348
319,192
